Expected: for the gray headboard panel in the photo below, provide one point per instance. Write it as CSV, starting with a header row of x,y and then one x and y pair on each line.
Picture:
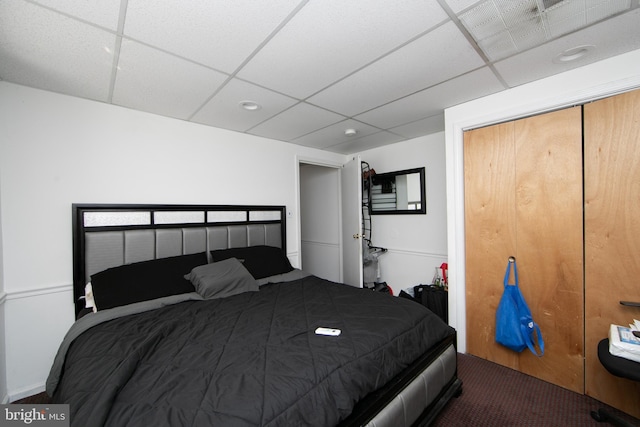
x,y
106,236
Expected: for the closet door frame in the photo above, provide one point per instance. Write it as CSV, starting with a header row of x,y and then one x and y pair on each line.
x,y
573,88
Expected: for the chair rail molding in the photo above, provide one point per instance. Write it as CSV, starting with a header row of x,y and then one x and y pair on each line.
x,y
34,292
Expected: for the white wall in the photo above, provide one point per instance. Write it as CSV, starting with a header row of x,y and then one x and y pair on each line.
x,y
57,150
577,86
416,243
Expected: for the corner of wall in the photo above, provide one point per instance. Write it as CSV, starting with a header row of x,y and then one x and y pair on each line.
x,y
3,345
4,393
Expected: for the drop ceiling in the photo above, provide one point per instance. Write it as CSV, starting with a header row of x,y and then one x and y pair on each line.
x,y
315,68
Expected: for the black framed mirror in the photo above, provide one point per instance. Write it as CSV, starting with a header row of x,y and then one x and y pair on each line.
x,y
399,192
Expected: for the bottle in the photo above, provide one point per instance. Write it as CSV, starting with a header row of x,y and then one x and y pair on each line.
x,y
437,280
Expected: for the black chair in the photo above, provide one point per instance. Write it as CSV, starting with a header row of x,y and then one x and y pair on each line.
x,y
619,367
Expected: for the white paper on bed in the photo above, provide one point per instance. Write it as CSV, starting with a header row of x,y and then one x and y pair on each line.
x,y
623,343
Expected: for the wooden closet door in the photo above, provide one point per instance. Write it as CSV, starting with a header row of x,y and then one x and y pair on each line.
x,y
523,197
490,233
612,236
550,241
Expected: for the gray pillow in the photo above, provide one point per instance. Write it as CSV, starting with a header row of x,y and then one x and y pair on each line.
x,y
222,279
295,274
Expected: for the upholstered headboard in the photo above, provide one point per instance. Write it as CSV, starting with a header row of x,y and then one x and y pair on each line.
x,y
106,236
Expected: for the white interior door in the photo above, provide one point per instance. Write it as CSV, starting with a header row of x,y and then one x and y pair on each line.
x,y
352,222
320,216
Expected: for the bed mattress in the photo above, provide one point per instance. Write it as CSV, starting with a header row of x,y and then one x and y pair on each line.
x,y
251,359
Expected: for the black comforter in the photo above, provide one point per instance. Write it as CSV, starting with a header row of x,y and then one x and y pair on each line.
x,y
252,359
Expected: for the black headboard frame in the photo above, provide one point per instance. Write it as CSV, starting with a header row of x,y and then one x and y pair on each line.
x,y
109,235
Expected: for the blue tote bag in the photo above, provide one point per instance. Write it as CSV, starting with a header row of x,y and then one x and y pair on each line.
x,y
515,328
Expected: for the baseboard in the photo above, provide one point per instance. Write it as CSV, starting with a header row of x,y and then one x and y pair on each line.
x,y
25,392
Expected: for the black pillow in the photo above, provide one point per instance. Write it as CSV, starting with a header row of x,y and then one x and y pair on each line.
x,y
146,280
261,261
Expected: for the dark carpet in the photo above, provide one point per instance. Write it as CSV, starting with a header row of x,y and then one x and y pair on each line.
x,y
493,395
496,396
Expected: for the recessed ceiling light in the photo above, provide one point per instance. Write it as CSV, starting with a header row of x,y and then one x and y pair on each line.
x,y
573,54
250,105
350,132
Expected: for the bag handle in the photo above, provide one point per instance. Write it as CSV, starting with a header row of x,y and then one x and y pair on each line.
x,y
527,326
507,274
527,337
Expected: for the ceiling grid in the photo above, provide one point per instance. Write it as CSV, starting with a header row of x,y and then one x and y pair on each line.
x,y
308,69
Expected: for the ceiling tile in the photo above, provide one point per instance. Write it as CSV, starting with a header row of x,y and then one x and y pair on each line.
x,y
152,81
44,49
502,29
104,13
439,55
295,122
329,39
418,128
460,5
613,37
224,109
387,69
335,134
220,34
601,9
432,101
367,143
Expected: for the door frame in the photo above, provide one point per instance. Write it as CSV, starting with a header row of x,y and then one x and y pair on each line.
x,y
578,86
321,163
351,208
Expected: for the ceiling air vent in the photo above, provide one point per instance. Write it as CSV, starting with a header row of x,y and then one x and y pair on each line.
x,y
546,4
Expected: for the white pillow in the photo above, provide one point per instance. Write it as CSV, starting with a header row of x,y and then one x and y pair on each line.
x,y
88,298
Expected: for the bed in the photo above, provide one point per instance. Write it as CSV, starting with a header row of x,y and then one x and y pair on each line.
x,y
192,315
